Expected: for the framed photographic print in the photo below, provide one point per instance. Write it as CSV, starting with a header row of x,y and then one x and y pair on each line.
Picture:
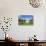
x,y
25,20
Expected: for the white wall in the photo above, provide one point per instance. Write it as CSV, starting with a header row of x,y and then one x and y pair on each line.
x,y
14,8
45,29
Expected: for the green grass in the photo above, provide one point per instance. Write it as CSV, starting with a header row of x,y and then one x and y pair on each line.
x,y
23,22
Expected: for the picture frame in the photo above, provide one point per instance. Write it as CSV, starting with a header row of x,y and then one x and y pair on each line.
x,y
25,20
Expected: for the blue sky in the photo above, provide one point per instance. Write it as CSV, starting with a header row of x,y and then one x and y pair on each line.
x,y
26,17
